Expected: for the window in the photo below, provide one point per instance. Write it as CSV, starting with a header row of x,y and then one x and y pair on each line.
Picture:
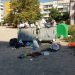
x,y
50,5
45,6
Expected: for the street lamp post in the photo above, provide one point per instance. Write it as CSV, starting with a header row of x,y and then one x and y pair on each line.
x,y
72,12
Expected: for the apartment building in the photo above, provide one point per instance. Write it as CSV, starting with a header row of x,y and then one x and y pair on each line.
x,y
61,5
1,11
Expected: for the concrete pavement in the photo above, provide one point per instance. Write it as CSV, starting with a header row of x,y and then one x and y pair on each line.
x,y
61,62
7,33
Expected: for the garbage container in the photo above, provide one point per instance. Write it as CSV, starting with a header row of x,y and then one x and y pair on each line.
x,y
62,30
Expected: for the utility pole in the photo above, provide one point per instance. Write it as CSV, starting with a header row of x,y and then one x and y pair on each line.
x,y
72,12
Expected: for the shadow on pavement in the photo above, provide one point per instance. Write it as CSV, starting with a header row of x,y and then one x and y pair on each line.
x,y
3,43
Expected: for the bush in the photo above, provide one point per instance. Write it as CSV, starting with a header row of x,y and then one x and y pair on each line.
x,y
70,39
72,33
72,30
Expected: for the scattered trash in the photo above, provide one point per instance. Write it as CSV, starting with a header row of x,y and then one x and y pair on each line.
x,y
22,56
34,54
55,46
28,44
13,48
14,42
35,44
24,42
30,59
20,41
48,50
45,53
34,48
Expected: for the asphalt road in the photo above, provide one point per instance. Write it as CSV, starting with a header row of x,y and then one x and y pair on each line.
x,y
61,62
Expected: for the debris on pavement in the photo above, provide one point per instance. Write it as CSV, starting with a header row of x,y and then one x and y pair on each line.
x,y
45,53
55,46
22,56
30,59
14,42
34,54
35,45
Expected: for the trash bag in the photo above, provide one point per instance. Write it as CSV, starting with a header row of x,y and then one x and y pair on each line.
x,y
35,44
55,46
45,53
20,41
28,44
15,43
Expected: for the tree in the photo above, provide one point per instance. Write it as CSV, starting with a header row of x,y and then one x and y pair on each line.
x,y
55,14
28,9
25,10
65,16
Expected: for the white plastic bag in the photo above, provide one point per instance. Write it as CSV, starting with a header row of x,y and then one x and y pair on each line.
x,y
35,44
55,46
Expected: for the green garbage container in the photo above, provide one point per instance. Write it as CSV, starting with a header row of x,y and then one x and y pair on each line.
x,y
62,30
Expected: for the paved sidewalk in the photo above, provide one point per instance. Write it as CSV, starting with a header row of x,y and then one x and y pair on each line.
x,y
7,33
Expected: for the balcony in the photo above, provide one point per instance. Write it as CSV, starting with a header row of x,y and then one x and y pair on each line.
x,y
45,12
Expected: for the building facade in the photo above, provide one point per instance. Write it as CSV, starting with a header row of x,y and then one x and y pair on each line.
x,y
61,5
1,11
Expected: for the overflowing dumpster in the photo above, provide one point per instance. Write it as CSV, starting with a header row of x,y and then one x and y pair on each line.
x,y
44,34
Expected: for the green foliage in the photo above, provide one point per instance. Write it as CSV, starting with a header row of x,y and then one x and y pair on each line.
x,y
24,10
28,9
72,30
72,33
65,16
55,14
9,18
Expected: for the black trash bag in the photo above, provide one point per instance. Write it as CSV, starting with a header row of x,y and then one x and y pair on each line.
x,y
15,43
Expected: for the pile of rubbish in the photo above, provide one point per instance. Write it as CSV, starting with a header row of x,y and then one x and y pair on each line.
x,y
37,54
35,44
14,42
